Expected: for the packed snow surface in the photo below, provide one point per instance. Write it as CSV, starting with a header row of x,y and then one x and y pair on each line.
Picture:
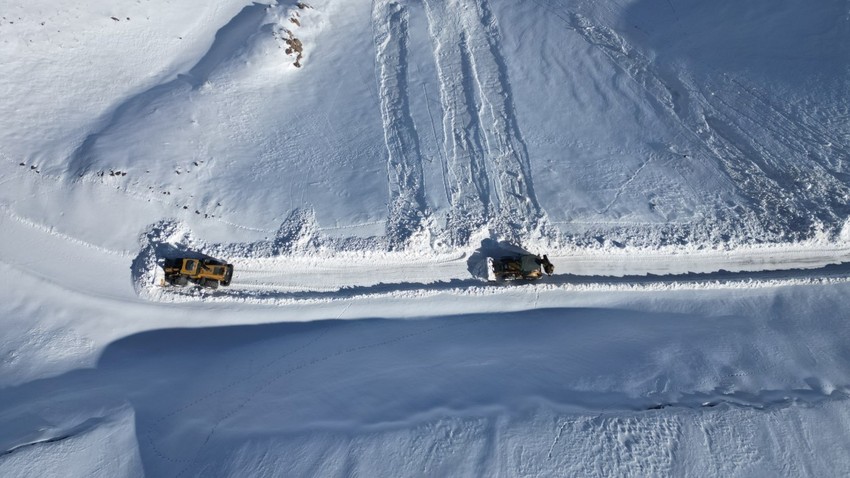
x,y
684,165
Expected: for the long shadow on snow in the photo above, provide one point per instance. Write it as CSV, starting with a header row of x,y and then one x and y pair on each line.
x,y
199,393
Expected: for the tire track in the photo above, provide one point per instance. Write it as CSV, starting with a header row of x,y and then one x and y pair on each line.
x,y
506,151
717,280
467,179
407,207
489,171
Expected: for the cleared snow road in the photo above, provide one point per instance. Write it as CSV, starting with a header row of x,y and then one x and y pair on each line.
x,y
345,277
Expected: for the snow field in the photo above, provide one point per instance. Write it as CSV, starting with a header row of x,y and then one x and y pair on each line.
x,y
640,384
683,164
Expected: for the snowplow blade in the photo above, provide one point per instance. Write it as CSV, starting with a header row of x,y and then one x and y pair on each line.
x,y
228,275
491,271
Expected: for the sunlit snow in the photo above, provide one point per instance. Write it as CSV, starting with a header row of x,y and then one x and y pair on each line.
x,y
684,165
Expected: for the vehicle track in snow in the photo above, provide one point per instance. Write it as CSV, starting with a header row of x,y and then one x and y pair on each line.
x,y
489,172
467,177
506,152
407,208
313,274
292,280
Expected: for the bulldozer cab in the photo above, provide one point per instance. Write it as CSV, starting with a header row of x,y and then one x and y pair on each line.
x,y
524,266
529,265
190,267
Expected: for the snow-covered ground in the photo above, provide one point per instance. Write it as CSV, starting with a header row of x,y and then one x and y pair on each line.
x,y
683,164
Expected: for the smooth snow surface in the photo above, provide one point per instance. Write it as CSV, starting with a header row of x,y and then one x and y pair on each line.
x,y
684,164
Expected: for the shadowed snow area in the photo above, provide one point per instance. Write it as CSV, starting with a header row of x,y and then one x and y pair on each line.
x,y
589,390
682,163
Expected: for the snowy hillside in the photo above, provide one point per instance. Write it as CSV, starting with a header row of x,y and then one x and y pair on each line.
x,y
684,164
649,123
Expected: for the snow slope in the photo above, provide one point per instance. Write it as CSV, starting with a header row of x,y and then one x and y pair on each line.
x,y
644,123
683,164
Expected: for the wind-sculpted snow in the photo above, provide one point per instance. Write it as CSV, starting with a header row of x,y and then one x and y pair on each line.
x,y
630,391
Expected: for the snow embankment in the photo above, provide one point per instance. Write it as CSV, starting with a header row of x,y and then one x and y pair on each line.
x,y
745,382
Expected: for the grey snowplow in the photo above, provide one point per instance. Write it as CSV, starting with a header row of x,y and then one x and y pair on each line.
x,y
519,267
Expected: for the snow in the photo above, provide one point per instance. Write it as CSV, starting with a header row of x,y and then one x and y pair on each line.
x,y
682,164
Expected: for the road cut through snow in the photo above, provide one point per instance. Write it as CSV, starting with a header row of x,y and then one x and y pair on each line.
x,y
345,276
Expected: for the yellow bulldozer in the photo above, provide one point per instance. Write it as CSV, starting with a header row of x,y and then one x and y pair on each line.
x,y
204,272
